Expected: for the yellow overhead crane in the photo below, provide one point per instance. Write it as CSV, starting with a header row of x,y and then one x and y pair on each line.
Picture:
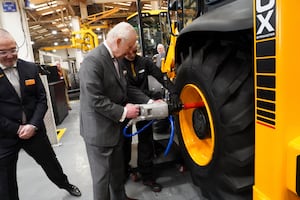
x,y
85,39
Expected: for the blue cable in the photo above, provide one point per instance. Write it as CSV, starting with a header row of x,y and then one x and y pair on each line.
x,y
171,135
147,125
137,132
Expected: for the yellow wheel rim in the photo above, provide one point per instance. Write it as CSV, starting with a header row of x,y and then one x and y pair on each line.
x,y
200,150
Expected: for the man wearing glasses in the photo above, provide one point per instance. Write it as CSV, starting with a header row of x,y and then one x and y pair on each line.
x,y
23,105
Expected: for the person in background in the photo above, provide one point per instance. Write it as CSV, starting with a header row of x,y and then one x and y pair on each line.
x,y
160,54
63,75
138,69
104,95
23,104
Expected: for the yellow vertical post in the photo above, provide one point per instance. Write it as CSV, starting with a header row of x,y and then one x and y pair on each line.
x,y
277,107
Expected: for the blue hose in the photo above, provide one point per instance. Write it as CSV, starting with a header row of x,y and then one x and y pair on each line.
x,y
137,132
147,125
171,135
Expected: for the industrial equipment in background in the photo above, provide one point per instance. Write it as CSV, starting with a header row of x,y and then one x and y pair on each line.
x,y
86,39
152,29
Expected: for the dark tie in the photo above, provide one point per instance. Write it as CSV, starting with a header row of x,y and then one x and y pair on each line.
x,y
13,77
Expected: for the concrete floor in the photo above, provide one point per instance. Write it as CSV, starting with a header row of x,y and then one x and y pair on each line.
x,y
34,185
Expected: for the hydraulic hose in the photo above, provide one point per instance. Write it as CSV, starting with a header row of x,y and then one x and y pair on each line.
x,y
171,120
137,132
171,135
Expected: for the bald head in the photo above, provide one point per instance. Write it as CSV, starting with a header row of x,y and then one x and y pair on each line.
x,y
121,38
4,35
8,49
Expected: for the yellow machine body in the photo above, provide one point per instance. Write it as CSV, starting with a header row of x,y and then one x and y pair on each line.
x,y
276,67
277,133
146,13
84,39
168,64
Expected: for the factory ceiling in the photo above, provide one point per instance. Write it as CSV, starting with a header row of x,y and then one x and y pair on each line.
x,y
50,21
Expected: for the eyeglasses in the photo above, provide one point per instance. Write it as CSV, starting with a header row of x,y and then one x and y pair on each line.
x,y
4,53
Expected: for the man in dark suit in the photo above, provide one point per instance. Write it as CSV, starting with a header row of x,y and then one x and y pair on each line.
x,y
23,105
103,106
138,69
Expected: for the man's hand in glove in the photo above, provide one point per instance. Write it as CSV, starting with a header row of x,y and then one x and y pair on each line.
x,y
175,104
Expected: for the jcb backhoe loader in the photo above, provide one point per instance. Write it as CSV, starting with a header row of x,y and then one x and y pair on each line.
x,y
241,59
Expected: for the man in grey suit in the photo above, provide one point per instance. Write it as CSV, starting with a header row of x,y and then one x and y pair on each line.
x,y
104,95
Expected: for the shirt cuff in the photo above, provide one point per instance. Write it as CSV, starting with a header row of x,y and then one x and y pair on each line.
x,y
123,115
150,101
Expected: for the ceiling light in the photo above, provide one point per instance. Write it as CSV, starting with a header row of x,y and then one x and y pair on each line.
x,y
65,30
123,4
60,25
42,8
42,31
54,32
47,13
35,27
55,43
32,6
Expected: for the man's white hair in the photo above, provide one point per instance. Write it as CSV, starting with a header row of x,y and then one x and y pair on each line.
x,y
121,30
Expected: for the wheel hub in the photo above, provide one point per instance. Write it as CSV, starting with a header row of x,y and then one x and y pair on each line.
x,y
196,126
200,123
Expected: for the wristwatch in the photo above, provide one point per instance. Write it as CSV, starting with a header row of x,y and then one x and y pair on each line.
x,y
35,128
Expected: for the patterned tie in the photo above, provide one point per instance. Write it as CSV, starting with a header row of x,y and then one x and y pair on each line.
x,y
116,66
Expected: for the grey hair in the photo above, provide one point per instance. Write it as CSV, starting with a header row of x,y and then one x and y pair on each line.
x,y
121,30
160,45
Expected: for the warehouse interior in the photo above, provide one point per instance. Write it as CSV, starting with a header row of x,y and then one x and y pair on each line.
x,y
50,22
50,29
235,68
70,150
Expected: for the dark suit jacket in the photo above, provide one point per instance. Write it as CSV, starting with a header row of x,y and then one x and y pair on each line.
x,y
138,76
33,102
102,98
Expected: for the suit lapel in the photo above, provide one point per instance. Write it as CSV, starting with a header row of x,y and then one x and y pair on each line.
x,y
6,82
21,78
120,80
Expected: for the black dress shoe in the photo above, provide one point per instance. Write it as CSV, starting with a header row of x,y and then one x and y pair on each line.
x,y
135,177
73,190
155,187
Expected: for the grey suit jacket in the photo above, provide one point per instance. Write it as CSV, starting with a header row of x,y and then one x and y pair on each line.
x,y
102,98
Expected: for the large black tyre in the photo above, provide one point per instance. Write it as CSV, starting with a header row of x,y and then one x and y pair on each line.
x,y
217,140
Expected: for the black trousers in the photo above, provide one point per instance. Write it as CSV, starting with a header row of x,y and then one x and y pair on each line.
x,y
40,149
145,152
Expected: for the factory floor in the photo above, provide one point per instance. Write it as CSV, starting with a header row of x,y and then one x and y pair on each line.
x,y
34,185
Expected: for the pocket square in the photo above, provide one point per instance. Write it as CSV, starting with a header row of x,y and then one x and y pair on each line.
x,y
29,82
